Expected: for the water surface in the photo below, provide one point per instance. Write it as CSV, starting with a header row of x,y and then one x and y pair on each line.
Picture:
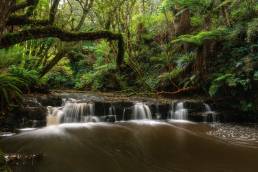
x,y
133,146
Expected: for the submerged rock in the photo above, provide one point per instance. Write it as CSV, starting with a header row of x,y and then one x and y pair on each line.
x,y
22,159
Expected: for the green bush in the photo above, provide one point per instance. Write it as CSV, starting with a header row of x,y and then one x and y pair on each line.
x,y
200,37
28,76
10,90
10,56
97,78
228,80
61,75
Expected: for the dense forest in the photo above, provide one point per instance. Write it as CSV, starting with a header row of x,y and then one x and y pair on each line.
x,y
167,48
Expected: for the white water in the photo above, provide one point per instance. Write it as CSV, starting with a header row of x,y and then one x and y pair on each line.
x,y
210,115
83,111
179,113
141,111
157,114
72,112
112,112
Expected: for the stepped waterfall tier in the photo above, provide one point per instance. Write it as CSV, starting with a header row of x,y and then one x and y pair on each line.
x,y
89,109
179,112
73,112
141,111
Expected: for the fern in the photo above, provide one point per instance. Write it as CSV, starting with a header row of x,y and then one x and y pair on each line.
x,y
199,38
10,90
10,56
96,77
252,30
171,75
229,80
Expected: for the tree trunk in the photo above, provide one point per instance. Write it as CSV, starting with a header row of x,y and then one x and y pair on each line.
x,y
182,22
5,8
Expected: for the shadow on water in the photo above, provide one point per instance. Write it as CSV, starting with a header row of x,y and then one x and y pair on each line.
x,y
132,146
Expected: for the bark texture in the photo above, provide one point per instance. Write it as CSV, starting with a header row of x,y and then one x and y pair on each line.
x,y
5,10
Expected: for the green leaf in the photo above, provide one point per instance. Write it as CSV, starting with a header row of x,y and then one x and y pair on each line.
x,y
256,76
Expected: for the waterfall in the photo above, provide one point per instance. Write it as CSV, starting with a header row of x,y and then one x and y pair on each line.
x,y
210,116
54,115
72,112
207,108
112,112
179,113
157,113
78,112
141,111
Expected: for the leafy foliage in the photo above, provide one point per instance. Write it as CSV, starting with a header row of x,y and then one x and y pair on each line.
x,y
230,81
10,56
9,90
60,76
96,80
217,52
199,38
30,77
252,30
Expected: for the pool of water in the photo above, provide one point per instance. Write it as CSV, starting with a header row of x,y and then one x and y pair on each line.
x,y
137,146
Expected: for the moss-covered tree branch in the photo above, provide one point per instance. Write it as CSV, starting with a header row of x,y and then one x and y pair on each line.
x,y
21,20
46,32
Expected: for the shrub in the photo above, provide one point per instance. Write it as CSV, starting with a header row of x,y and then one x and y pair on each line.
x,y
10,90
61,75
230,81
28,76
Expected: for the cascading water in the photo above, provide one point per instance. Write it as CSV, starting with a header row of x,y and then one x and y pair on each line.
x,y
210,116
141,111
112,112
157,113
78,112
179,112
83,110
72,112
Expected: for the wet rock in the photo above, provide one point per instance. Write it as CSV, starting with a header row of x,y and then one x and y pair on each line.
x,y
101,108
31,102
50,100
34,113
160,111
194,106
110,118
123,109
22,159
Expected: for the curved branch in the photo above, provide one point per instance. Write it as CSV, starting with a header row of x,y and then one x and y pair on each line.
x,y
37,33
22,20
53,62
46,32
